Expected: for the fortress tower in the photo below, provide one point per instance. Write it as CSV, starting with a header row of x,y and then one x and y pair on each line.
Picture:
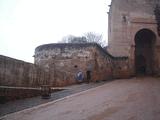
x,y
133,33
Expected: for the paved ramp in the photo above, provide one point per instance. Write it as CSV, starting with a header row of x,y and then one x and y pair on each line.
x,y
18,105
129,99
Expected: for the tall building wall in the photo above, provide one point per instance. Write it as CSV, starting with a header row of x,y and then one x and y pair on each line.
x,y
122,17
126,18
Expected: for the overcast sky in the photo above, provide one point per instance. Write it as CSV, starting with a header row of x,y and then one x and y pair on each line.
x,y
26,24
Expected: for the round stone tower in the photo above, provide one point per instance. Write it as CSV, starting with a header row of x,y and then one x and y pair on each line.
x,y
65,61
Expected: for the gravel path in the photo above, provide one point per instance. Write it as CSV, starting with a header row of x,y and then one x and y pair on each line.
x,y
129,99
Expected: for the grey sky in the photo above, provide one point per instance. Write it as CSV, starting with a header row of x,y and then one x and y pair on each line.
x,y
25,24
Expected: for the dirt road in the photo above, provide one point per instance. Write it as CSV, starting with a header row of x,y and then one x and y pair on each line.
x,y
129,99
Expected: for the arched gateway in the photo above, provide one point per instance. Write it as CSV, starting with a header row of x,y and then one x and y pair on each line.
x,y
144,51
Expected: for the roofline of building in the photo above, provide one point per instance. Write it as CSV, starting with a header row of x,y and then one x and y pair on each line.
x,y
77,45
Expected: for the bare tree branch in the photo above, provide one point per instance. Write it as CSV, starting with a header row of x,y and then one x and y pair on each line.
x,y
89,37
94,37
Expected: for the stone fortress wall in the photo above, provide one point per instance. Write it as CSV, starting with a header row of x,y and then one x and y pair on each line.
x,y
18,73
58,65
134,46
64,61
129,22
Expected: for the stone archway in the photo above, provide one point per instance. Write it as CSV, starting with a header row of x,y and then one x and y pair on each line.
x,y
144,51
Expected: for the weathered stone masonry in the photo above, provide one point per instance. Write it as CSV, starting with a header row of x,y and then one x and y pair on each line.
x,y
133,33
58,64
133,26
15,72
63,61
